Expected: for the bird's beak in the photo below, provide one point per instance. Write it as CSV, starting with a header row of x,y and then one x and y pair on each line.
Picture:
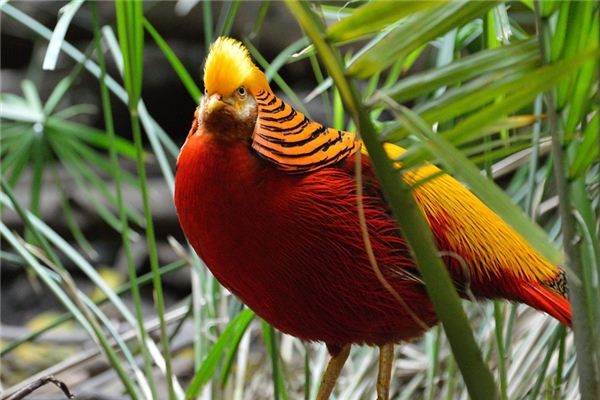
x,y
214,103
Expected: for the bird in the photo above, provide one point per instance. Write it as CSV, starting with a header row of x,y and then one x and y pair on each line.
x,y
268,199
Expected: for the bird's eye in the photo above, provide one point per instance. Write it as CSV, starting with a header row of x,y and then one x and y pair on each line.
x,y
241,91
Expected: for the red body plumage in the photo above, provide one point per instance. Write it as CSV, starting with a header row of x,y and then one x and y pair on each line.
x,y
290,247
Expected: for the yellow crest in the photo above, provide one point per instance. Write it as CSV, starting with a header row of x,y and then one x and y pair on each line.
x,y
229,66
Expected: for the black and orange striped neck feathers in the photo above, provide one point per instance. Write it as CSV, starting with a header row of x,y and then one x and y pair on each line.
x,y
294,143
238,95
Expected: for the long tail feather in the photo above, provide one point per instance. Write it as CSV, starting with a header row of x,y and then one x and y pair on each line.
x,y
548,301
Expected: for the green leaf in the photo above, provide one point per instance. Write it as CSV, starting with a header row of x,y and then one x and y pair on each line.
x,y
284,57
583,84
479,64
131,40
576,39
587,151
20,112
234,329
91,135
375,16
270,338
518,92
66,13
260,17
182,73
228,12
419,29
32,96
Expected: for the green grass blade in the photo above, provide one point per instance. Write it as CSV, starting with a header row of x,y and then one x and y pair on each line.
x,y
74,228
208,24
69,49
559,331
584,83
236,327
130,29
182,73
231,353
375,16
483,62
461,100
93,329
78,311
156,134
142,280
32,96
228,13
66,13
92,136
17,160
19,112
131,267
61,89
39,157
260,17
418,30
432,340
576,39
270,338
499,319
587,151
285,56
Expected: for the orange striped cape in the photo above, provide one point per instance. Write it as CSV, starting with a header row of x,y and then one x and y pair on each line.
x,y
294,143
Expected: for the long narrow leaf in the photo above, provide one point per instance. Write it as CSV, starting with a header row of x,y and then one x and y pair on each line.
x,y
183,74
374,16
462,70
67,13
210,364
419,29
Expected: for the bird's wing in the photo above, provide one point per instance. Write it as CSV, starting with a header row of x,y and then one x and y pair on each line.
x,y
480,249
472,231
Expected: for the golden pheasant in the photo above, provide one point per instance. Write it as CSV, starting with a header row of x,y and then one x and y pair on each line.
x,y
268,200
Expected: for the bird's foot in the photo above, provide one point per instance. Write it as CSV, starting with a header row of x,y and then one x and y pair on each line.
x,y
334,367
386,358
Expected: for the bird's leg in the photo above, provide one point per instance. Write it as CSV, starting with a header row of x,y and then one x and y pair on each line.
x,y
337,361
386,358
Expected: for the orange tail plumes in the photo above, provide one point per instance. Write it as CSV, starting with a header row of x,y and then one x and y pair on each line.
x,y
549,301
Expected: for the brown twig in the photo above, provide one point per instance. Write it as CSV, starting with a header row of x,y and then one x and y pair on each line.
x,y
35,385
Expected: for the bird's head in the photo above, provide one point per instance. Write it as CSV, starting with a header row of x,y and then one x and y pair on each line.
x,y
231,82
